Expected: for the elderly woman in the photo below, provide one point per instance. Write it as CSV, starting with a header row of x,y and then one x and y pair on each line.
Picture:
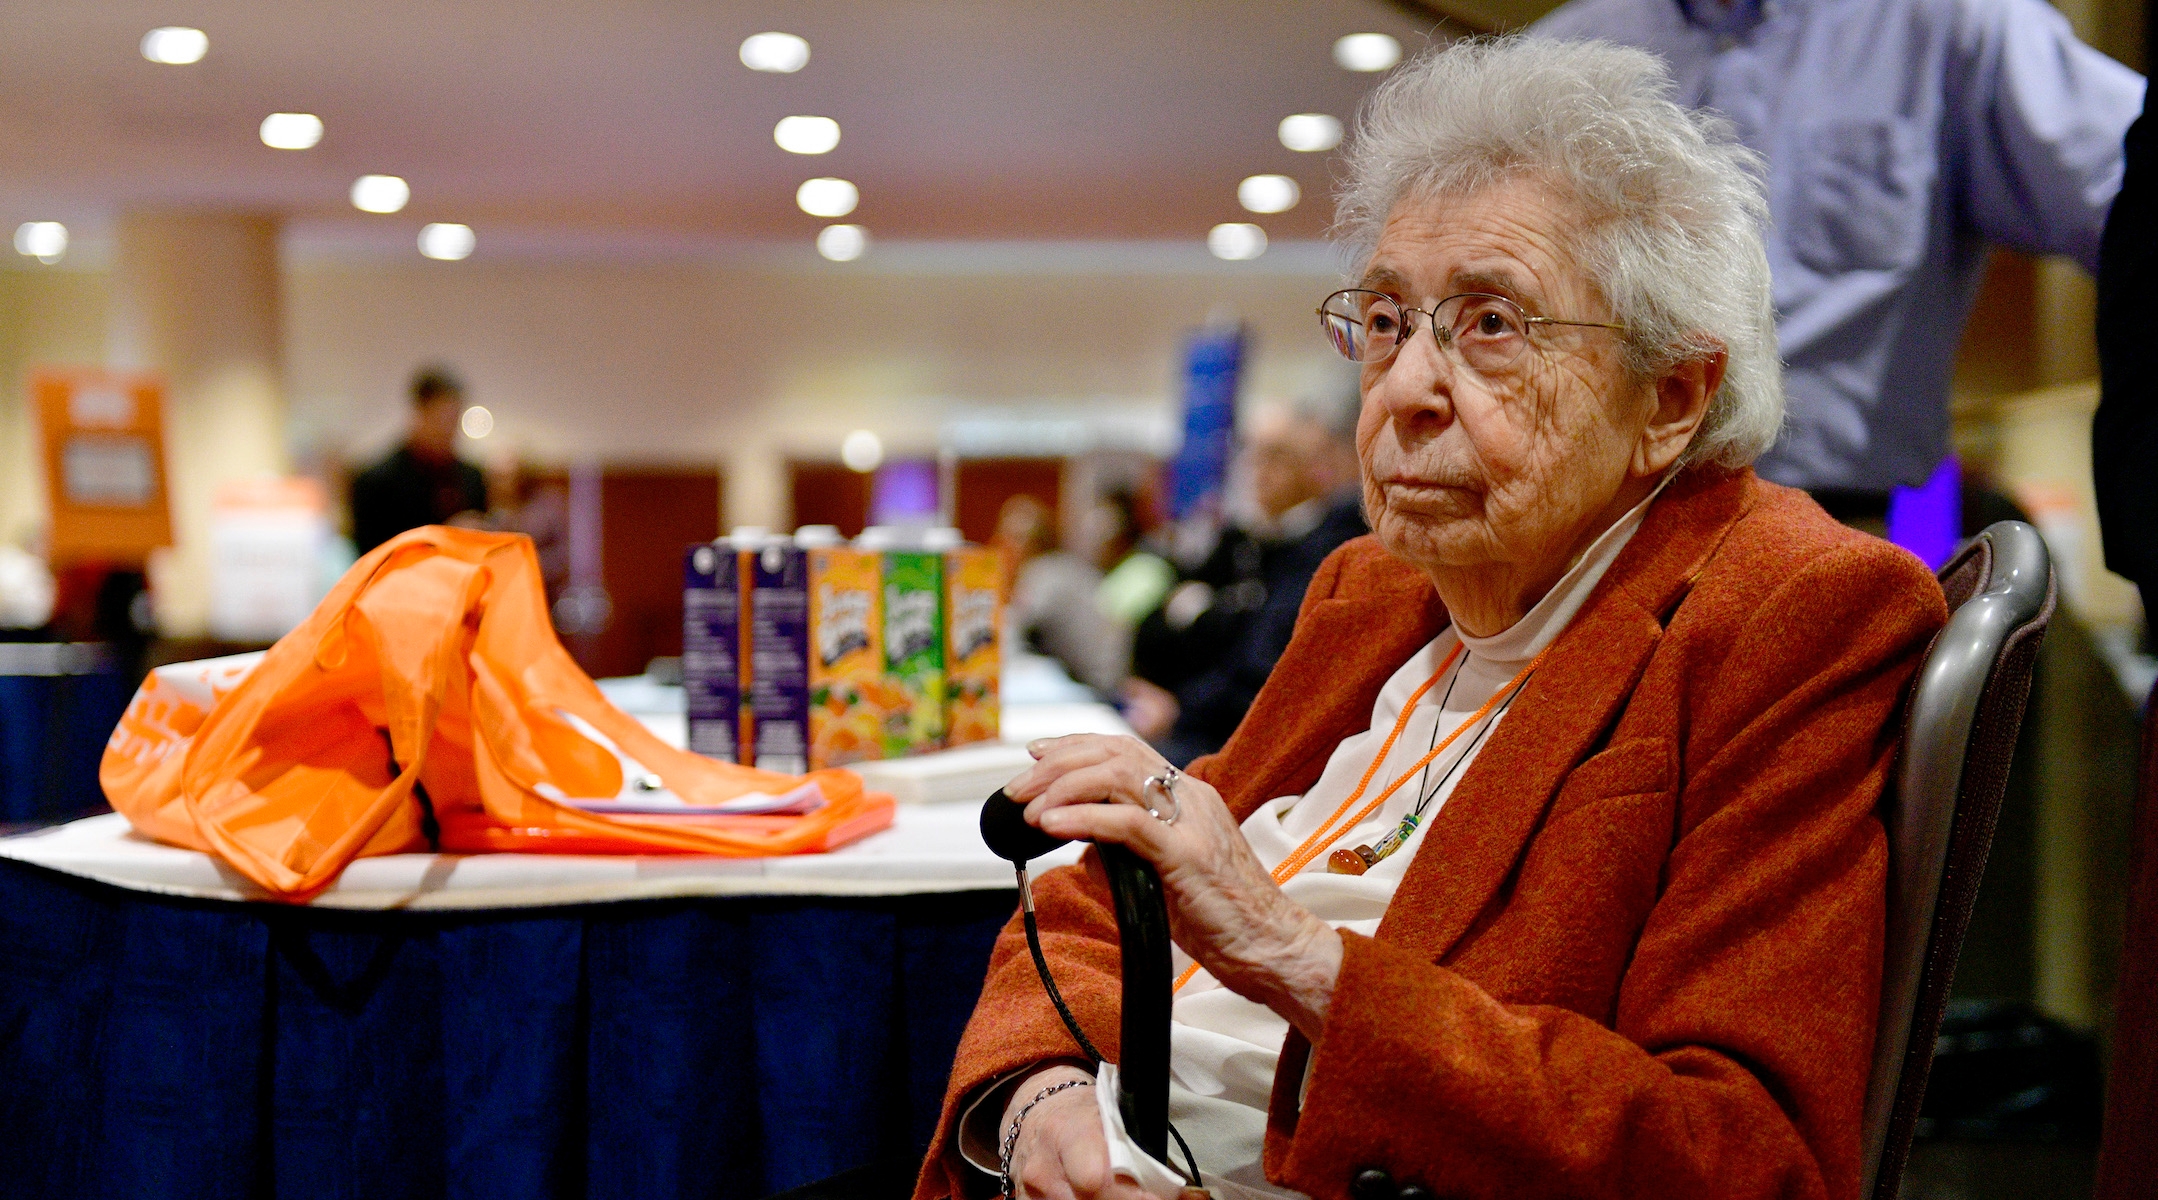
x,y
1547,863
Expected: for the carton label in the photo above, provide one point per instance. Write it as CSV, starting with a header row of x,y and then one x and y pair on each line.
x,y
910,623
848,701
974,622
711,650
842,622
779,660
974,591
914,651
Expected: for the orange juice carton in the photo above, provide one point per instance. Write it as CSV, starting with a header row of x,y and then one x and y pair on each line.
x,y
713,588
973,622
817,694
913,650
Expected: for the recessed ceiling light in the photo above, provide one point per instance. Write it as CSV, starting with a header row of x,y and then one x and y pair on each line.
x,y
862,451
779,53
842,243
175,44
44,241
477,421
1236,241
1366,52
291,131
1310,132
1268,194
380,193
806,135
827,197
447,242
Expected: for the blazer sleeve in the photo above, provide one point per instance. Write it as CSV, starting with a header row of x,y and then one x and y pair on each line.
x,y
1737,1064
1014,1025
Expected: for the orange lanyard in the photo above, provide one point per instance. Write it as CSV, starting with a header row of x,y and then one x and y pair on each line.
x,y
1328,833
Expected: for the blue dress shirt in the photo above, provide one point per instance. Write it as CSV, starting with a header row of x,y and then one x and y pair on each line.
x,y
1902,136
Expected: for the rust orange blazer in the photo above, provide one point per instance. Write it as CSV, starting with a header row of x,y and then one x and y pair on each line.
x,y
1638,953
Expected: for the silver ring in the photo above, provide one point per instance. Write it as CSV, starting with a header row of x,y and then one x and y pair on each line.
x,y
1165,783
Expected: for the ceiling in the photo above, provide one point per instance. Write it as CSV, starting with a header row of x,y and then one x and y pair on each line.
x,y
962,119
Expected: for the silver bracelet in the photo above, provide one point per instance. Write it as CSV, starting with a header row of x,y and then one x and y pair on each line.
x,y
1011,1135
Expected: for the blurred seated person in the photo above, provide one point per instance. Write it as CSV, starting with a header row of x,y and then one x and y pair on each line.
x,y
1203,656
1052,609
519,501
422,482
1135,580
1548,862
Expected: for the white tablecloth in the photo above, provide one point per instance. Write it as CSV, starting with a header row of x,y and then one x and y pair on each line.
x,y
931,847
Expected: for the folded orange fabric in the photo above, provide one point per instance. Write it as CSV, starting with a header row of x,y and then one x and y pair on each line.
x,y
426,703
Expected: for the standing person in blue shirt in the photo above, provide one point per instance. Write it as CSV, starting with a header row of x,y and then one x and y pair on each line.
x,y
1902,137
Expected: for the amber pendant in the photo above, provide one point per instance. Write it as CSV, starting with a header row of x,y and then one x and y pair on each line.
x,y
1352,862
1363,858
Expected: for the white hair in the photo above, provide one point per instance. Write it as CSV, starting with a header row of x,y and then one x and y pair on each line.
x,y
1331,404
1670,206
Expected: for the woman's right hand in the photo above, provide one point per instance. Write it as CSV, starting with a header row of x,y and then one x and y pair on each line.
x,y
1060,1154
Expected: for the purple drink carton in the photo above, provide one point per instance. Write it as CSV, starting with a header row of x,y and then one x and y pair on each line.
x,y
712,660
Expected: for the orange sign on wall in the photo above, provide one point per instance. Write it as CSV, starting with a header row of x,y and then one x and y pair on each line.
x,y
104,442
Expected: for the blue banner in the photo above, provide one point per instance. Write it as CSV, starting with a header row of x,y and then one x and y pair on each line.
x,y
1213,365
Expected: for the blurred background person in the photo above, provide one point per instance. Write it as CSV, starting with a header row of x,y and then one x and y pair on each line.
x,y
1902,137
1202,656
422,482
1053,609
519,500
1135,580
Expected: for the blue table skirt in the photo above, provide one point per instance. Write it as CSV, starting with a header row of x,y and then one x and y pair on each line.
x,y
52,734
170,1048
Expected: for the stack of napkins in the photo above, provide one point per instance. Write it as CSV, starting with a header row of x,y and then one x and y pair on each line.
x,y
959,775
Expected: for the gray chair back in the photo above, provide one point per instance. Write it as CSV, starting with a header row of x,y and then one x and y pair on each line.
x,y
1959,732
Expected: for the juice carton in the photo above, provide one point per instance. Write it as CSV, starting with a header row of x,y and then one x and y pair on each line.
x,y
974,619
816,655
712,646
913,651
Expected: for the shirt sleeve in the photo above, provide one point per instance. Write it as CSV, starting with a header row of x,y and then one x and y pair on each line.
x,y
2037,140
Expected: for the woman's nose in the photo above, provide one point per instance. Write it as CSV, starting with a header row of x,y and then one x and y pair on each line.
x,y
1417,383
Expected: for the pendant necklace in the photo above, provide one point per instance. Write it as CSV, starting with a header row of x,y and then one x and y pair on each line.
x,y
1332,830
1362,858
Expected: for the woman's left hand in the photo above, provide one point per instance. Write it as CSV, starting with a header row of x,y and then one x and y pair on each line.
x,y
1224,908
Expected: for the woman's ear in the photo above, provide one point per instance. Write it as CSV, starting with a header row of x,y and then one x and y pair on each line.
x,y
1681,400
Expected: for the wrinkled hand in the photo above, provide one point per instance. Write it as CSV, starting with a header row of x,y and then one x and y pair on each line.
x,y
1224,908
1060,1154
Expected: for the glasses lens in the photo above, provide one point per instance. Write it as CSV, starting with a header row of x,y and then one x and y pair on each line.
x,y
1488,331
1363,326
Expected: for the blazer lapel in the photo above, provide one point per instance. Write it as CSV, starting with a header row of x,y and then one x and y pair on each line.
x,y
1480,833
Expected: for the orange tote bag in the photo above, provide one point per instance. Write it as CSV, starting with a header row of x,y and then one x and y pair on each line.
x,y
426,704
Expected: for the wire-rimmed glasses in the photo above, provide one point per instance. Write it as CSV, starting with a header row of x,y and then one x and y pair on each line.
x,y
1485,333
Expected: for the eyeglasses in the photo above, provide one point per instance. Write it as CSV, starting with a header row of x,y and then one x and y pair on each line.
x,y
1484,333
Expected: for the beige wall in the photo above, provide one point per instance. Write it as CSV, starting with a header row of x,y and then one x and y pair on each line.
x,y
735,359
47,315
745,362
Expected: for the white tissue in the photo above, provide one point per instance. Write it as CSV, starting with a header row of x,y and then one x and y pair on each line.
x,y
1125,1157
